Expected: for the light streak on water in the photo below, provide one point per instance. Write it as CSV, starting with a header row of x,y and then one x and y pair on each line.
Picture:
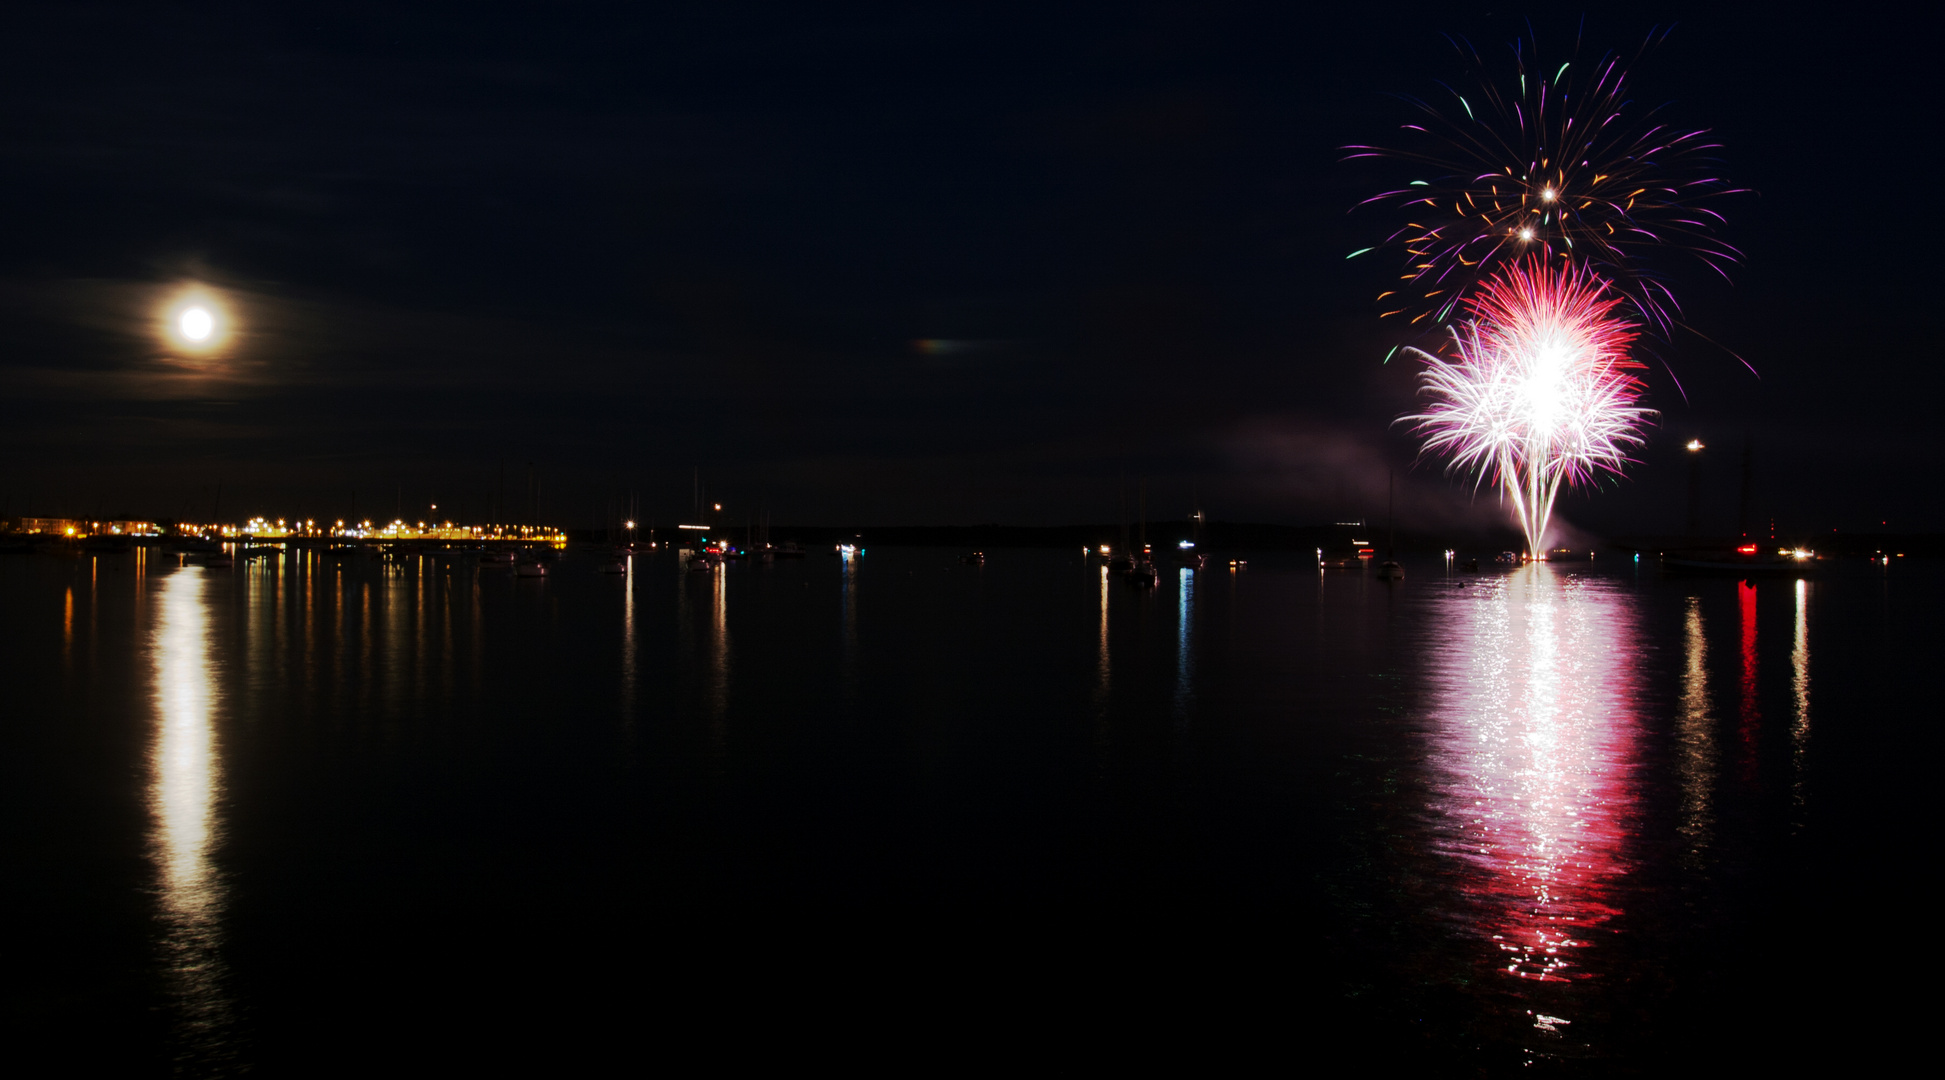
x,y
1533,746
185,784
1800,694
628,640
719,661
1184,626
1750,701
1102,668
1695,733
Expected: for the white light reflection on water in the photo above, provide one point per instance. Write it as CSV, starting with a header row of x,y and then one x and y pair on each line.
x,y
1101,662
719,664
1103,680
1184,622
1532,753
1695,732
848,601
710,608
1800,691
628,641
185,784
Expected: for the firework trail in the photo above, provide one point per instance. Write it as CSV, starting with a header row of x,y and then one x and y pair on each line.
x,y
1558,165
1542,391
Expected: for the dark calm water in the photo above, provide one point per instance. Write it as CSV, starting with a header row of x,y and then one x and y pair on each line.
x,y
300,815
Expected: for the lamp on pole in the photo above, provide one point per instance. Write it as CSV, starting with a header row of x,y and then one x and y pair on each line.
x,y
1695,487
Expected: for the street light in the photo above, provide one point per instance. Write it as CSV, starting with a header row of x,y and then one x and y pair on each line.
x,y
1694,487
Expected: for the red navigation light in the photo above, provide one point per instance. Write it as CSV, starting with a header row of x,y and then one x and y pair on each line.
x,y
1747,549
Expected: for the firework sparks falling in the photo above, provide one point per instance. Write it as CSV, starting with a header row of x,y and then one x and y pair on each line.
x,y
1542,391
1555,165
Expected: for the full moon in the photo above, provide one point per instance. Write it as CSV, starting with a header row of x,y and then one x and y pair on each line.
x,y
197,324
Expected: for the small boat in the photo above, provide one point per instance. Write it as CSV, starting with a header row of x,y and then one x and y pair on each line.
x,y
1470,564
615,565
1507,558
502,557
789,549
1389,569
1189,552
977,558
1744,561
532,568
1144,574
1187,556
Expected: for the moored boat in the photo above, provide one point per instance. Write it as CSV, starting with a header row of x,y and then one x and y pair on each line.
x,y
1746,560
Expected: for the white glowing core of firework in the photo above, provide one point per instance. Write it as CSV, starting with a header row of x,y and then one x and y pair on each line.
x,y
1544,388
1538,394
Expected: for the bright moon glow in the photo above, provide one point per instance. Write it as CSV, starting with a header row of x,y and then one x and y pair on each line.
x,y
197,324
196,321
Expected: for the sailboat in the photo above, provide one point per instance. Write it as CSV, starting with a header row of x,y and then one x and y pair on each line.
x,y
1143,571
1190,553
1122,560
1389,570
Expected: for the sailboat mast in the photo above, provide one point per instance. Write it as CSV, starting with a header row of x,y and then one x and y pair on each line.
x,y
1391,514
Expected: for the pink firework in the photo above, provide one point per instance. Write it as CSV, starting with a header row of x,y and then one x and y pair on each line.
x,y
1542,390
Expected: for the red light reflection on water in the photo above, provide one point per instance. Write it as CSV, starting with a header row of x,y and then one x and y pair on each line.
x,y
1751,714
1532,750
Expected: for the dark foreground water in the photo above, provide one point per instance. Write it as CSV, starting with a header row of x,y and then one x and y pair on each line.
x,y
900,812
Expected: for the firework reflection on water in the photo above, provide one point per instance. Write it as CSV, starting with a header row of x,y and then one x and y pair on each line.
x,y
1533,739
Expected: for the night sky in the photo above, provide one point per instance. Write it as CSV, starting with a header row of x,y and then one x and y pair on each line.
x,y
933,265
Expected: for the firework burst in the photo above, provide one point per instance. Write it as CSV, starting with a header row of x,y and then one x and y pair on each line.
x,y
1556,165
1542,391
